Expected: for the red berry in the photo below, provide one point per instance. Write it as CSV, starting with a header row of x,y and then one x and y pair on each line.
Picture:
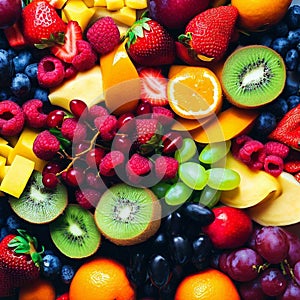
x,y
74,177
71,129
273,165
87,197
55,118
123,119
80,147
50,180
34,116
94,157
166,167
52,167
78,108
277,149
70,71
46,145
171,142
163,115
111,161
97,111
137,166
143,108
94,180
107,126
122,143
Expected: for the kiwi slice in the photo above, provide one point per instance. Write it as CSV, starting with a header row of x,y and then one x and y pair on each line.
x,y
38,204
75,233
128,215
253,76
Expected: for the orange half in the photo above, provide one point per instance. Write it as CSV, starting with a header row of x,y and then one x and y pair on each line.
x,y
194,92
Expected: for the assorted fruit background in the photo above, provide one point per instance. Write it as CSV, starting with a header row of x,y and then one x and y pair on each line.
x,y
149,149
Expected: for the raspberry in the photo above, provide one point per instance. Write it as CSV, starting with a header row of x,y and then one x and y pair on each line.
x,y
110,161
51,72
107,126
292,166
72,129
103,35
137,166
166,167
87,197
86,56
273,165
252,154
70,71
163,115
97,111
277,148
238,143
297,176
12,118
46,145
34,117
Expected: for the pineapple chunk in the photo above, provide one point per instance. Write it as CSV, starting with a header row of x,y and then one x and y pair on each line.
x,y
99,2
3,141
17,176
136,4
89,3
24,147
3,171
5,150
63,16
114,4
77,10
125,15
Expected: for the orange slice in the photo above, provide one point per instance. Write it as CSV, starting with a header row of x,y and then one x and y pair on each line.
x,y
194,92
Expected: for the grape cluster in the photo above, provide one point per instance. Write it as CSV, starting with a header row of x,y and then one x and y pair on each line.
x,y
267,266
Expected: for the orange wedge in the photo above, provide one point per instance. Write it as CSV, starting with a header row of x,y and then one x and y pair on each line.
x,y
194,92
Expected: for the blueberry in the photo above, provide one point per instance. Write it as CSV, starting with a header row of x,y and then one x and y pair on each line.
x,y
278,107
13,223
3,233
42,94
294,37
51,265
293,101
20,85
280,45
264,124
4,64
4,94
292,59
291,84
265,40
23,59
281,29
67,273
293,17
11,53
31,72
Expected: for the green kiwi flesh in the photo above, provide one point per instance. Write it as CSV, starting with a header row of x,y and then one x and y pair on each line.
x,y
75,233
253,76
128,215
38,204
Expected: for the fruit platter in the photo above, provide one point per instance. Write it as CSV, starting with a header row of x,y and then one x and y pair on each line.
x,y
149,150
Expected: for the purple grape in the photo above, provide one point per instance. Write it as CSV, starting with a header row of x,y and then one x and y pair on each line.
x,y
292,292
180,248
272,244
294,248
251,290
224,262
297,272
272,281
243,264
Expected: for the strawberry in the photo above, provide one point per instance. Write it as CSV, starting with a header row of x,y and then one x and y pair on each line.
x,y
15,36
41,23
6,284
287,130
297,176
64,296
149,44
153,86
208,34
68,50
19,259
231,228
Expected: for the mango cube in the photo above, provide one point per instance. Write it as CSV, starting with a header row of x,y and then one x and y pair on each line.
x,y
24,147
3,141
3,171
5,150
114,4
99,2
77,10
125,15
89,3
17,176
136,4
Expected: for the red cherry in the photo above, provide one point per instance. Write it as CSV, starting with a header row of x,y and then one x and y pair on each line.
x,y
143,108
94,180
122,143
94,157
78,108
74,177
55,118
124,118
50,180
80,147
52,167
171,141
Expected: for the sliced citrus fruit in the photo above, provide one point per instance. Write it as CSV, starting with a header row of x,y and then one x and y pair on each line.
x,y
194,92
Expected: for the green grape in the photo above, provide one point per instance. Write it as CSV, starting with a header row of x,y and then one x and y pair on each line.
x,y
186,151
193,175
212,153
178,193
160,189
223,179
210,197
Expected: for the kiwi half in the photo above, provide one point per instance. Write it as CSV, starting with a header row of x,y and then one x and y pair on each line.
x,y
253,76
75,233
128,215
38,204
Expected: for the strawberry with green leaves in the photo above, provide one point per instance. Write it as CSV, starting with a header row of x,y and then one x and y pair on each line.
x,y
207,35
19,260
41,24
149,44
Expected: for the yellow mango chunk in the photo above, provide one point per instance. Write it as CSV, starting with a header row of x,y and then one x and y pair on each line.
x,y
89,3
77,10
63,16
24,147
86,86
255,186
17,176
282,210
114,4
99,2
5,150
136,4
12,140
3,141
121,82
3,171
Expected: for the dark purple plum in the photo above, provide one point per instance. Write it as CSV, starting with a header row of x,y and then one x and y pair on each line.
x,y
10,12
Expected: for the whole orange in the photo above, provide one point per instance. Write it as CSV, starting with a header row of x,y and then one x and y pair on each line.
x,y
209,284
101,279
40,289
260,14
